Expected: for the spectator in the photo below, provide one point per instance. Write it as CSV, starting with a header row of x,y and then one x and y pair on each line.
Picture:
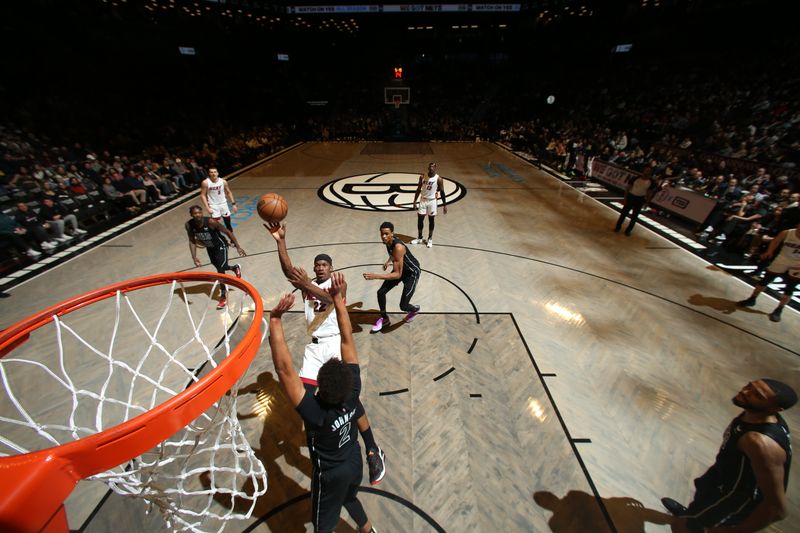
x,y
11,230
57,217
35,226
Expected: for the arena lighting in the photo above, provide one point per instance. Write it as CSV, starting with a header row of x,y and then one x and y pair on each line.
x,y
487,7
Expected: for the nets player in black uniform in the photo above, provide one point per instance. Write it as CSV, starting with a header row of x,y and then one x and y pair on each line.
x,y
329,417
405,268
745,489
207,232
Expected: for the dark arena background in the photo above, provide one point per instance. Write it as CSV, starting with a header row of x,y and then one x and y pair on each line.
x,y
560,376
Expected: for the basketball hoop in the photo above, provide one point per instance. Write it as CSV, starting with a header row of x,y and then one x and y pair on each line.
x,y
139,427
397,99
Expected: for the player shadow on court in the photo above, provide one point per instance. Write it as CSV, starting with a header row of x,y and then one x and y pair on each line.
x,y
282,437
196,290
579,512
723,305
405,238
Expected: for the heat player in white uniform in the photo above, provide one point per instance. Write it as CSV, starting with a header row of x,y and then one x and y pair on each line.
x,y
427,189
323,328
215,193
786,265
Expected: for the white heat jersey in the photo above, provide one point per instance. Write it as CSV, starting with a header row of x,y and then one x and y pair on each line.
x,y
430,186
313,308
216,191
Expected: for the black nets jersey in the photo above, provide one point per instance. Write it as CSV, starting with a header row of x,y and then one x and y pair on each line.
x,y
410,263
332,432
205,235
732,472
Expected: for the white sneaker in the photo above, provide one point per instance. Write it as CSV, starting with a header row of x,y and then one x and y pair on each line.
x,y
33,253
79,231
417,241
720,237
430,243
47,245
709,229
63,238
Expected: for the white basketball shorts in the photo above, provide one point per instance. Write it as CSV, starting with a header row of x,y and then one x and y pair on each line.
x,y
317,355
783,265
219,210
427,207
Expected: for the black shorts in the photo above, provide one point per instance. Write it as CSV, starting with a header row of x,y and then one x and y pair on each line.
x,y
331,489
218,255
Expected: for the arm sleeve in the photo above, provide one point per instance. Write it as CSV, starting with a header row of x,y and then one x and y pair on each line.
x,y
356,370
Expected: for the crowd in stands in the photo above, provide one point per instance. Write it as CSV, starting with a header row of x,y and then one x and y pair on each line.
x,y
52,195
724,125
735,140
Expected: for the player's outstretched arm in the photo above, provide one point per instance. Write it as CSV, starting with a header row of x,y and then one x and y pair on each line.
x,y
278,232
281,358
337,291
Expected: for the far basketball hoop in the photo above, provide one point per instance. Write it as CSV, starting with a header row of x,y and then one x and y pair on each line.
x,y
396,96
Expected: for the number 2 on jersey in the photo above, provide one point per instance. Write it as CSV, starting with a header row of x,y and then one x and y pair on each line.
x,y
345,433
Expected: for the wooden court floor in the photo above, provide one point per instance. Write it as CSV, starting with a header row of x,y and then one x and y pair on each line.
x,y
561,377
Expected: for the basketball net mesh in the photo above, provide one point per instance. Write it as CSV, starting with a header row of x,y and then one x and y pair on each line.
x,y
200,478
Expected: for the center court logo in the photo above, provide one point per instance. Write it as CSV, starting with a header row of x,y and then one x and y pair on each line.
x,y
385,191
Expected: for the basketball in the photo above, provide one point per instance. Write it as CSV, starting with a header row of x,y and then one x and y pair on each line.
x,y
272,207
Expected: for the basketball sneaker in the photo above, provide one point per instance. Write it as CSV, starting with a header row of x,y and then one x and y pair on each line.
x,y
750,302
418,241
674,508
430,243
379,325
412,315
377,466
221,304
237,269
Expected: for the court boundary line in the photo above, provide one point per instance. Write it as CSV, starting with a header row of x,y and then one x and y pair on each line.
x,y
553,174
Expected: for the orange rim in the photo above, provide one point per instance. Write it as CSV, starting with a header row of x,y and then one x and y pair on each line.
x,y
34,485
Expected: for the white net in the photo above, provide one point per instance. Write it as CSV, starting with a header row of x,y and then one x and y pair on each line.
x,y
106,363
